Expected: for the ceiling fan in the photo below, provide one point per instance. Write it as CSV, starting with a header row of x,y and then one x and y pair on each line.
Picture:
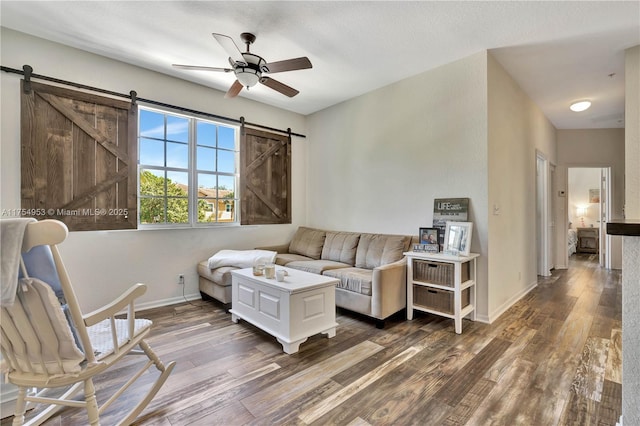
x,y
250,68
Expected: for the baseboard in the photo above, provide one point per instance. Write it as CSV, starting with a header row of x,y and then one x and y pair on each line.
x,y
166,302
506,305
482,318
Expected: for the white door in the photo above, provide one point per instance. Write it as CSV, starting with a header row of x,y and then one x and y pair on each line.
x,y
551,255
605,215
542,215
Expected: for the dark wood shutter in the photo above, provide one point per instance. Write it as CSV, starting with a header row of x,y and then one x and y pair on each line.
x,y
79,158
265,177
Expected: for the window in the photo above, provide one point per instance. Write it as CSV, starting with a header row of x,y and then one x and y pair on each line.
x,y
178,153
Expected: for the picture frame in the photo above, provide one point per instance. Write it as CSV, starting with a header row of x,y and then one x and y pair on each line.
x,y
429,239
457,238
449,210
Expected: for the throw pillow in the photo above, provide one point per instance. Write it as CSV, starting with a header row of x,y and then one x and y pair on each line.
x,y
340,247
377,249
307,242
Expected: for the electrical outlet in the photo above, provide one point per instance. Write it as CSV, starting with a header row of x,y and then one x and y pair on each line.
x,y
181,279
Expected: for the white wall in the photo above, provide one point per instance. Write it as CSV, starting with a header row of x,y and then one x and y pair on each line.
x,y
631,245
590,148
632,136
377,162
461,130
517,129
103,264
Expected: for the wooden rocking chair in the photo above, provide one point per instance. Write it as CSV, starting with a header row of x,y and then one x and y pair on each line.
x,y
44,349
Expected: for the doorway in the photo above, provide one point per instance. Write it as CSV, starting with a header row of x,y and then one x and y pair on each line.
x,y
588,210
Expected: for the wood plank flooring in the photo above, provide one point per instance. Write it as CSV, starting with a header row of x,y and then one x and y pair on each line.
x,y
554,358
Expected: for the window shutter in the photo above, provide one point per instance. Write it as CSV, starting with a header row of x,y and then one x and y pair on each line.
x,y
79,158
265,177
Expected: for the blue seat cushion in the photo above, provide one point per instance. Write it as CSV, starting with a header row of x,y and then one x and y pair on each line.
x,y
40,264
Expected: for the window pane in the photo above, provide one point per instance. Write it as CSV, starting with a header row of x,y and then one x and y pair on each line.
x,y
177,129
226,161
178,184
178,155
152,182
151,152
151,124
206,210
228,213
207,181
206,159
226,187
226,137
152,210
178,210
206,134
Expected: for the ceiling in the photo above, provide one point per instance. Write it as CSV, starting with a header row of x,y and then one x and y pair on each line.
x,y
558,51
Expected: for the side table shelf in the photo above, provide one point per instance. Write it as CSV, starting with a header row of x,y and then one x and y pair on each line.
x,y
442,284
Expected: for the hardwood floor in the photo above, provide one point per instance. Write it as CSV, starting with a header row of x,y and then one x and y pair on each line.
x,y
554,358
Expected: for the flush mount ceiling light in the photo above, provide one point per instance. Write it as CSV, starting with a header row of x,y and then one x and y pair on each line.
x,y
580,106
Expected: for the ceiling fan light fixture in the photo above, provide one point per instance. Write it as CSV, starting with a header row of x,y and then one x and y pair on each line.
x,y
249,68
248,77
579,106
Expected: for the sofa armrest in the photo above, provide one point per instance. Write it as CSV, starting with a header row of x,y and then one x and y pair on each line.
x,y
282,248
389,289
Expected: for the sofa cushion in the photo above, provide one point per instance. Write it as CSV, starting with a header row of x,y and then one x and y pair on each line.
x,y
283,259
220,275
316,266
307,242
340,247
357,280
379,249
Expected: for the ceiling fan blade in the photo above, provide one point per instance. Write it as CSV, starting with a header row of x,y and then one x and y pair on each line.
x,y
279,87
200,68
233,91
232,49
290,65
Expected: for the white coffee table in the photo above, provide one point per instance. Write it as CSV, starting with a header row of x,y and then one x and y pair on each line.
x,y
301,306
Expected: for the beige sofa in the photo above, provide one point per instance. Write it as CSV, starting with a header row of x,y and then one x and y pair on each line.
x,y
370,267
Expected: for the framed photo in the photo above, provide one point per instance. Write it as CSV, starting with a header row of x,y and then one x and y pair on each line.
x,y
429,238
457,238
449,210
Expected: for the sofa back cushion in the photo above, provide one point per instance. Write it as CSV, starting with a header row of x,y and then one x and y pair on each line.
x,y
307,242
340,247
378,249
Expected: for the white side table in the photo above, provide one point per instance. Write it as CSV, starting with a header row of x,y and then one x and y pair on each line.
x,y
442,284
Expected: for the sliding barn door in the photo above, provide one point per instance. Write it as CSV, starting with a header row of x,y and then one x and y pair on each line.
x,y
265,177
79,158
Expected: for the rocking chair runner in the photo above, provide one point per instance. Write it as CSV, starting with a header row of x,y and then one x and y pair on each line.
x,y
39,345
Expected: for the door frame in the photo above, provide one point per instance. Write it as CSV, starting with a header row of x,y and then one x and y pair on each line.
x,y
605,216
543,216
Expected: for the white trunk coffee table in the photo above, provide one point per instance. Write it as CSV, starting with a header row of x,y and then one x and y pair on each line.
x,y
292,310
